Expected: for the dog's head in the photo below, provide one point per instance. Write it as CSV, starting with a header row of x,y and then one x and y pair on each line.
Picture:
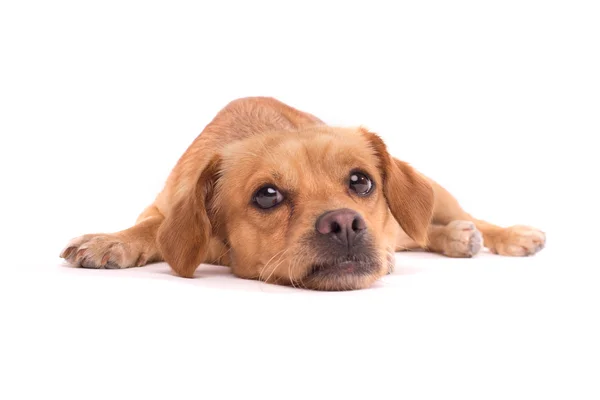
x,y
317,208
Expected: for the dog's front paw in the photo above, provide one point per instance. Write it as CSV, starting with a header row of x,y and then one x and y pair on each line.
x,y
102,251
518,241
462,239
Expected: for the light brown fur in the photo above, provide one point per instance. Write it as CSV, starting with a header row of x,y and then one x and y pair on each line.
x,y
205,214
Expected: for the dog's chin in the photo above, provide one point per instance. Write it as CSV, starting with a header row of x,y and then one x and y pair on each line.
x,y
343,275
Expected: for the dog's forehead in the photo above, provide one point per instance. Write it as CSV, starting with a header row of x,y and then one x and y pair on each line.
x,y
299,156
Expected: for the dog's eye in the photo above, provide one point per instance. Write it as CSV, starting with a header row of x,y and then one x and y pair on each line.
x,y
360,183
268,197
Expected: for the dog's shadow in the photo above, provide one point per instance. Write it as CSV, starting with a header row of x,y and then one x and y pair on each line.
x,y
220,277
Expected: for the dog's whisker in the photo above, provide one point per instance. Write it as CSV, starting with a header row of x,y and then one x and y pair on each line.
x,y
292,268
267,263
391,261
281,260
279,254
223,254
300,282
290,274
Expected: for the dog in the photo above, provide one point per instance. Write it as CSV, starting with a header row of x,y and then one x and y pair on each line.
x,y
281,197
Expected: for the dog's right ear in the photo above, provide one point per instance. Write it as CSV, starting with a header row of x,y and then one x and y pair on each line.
x,y
183,237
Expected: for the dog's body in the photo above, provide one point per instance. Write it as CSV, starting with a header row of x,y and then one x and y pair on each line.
x,y
279,196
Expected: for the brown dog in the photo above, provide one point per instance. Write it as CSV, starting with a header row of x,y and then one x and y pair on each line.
x,y
279,196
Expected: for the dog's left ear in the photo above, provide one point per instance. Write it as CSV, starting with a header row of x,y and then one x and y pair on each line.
x,y
409,196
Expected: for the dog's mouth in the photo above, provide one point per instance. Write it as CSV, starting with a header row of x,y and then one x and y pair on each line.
x,y
343,268
339,268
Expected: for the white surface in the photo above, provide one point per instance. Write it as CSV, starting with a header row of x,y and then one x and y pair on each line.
x,y
438,328
498,102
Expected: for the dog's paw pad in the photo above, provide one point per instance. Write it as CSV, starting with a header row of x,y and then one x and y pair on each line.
x,y
101,251
463,239
519,241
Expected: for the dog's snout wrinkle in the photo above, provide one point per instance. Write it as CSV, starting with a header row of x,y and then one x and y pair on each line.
x,y
343,225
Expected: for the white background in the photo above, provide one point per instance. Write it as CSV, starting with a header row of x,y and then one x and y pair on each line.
x,y
498,101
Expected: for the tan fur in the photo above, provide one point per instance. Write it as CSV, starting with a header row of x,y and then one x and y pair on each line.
x,y
204,213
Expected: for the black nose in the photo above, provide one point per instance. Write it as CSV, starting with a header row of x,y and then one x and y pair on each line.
x,y
344,225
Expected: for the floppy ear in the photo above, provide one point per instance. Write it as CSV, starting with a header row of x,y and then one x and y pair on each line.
x,y
183,237
409,196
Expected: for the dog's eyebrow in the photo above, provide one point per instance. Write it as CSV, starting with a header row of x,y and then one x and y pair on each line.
x,y
276,176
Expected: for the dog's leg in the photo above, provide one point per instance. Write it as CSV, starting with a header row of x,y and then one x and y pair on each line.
x,y
456,233
131,247
457,239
